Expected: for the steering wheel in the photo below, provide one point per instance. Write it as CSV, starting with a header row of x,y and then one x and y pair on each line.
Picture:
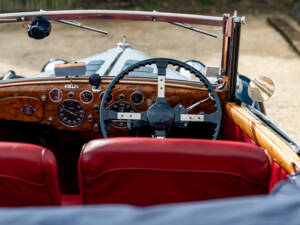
x,y
160,116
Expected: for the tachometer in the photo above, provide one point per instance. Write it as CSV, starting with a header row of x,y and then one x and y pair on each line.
x,y
86,96
71,113
55,95
137,97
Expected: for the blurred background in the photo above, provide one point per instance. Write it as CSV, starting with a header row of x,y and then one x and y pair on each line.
x,y
270,42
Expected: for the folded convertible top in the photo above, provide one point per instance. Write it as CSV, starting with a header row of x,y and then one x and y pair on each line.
x,y
283,207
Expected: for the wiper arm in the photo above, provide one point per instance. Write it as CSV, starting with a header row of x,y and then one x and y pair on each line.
x,y
189,27
76,24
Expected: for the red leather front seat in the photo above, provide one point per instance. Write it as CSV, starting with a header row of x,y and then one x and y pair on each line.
x,y
28,175
146,171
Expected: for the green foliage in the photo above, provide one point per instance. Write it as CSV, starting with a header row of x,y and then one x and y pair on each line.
x,y
148,5
206,2
49,4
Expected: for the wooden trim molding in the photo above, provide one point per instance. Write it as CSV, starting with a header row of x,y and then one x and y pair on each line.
x,y
264,136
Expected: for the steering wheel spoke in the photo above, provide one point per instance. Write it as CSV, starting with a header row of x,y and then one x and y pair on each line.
x,y
113,115
159,133
129,116
161,87
211,117
161,79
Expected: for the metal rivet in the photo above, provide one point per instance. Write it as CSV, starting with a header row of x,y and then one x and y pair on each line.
x,y
43,98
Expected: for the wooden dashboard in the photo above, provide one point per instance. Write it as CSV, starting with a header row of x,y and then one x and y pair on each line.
x,y
34,100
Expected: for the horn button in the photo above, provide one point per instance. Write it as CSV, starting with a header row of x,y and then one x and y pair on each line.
x,y
160,115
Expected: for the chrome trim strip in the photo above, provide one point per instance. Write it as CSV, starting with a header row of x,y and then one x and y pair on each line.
x,y
114,15
161,86
192,117
294,145
129,116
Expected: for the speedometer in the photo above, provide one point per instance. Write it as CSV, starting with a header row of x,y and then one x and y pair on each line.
x,y
71,113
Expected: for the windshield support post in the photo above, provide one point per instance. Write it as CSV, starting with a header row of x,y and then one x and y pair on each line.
x,y
234,57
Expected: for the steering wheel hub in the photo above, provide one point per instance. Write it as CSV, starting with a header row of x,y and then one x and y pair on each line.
x,y
160,115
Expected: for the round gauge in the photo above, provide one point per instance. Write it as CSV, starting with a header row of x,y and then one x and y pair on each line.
x,y
121,106
137,97
110,98
55,95
86,96
71,113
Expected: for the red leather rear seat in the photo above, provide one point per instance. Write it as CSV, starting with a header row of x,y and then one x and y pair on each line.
x,y
146,171
28,175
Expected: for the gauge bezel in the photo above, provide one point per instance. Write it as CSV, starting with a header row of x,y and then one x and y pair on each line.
x,y
61,94
138,93
63,123
84,102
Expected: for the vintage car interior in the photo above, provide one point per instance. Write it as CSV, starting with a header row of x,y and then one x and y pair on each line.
x,y
136,137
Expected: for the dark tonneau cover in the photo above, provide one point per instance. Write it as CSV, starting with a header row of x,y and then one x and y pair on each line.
x,y
282,207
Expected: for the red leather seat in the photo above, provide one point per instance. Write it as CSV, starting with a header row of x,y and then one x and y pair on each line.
x,y
28,175
146,171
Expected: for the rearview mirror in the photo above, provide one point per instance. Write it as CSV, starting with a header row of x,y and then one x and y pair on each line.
x,y
261,88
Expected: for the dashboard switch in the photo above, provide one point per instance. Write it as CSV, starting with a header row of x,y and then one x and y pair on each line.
x,y
71,94
96,107
96,127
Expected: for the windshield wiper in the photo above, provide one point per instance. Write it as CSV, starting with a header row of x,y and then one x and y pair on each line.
x,y
189,27
76,24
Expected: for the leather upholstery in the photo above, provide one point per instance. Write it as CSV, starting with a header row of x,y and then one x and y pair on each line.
x,y
146,171
28,175
70,200
277,174
230,131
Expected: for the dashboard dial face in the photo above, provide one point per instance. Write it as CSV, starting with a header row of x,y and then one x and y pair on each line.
x,y
86,96
121,106
137,97
55,95
71,113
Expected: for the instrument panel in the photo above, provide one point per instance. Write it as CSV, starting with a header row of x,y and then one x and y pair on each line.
x,y
75,106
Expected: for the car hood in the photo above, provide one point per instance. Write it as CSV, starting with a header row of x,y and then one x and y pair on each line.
x,y
115,60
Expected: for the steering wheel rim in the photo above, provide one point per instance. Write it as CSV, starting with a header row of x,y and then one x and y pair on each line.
x,y
162,64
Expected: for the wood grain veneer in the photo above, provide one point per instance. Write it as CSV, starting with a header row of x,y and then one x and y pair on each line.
x,y
264,136
16,94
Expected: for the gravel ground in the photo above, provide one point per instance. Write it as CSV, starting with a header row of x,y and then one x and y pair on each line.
x,y
263,52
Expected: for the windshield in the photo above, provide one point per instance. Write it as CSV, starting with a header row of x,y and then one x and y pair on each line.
x,y
27,57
